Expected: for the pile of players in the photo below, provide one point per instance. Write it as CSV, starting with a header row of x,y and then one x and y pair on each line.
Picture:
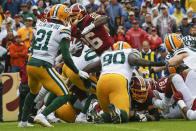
x,y
99,83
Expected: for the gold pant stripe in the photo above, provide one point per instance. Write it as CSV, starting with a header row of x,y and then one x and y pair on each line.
x,y
58,80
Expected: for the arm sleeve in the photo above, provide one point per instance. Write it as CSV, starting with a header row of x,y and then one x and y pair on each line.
x,y
66,55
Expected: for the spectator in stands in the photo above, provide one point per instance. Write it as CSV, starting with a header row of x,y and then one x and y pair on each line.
x,y
120,36
185,26
155,14
32,1
149,6
12,5
128,6
17,24
147,54
7,19
154,40
135,36
134,3
193,31
147,25
178,31
48,3
163,3
136,10
26,32
143,13
191,4
115,9
104,4
41,5
92,7
26,13
18,54
178,14
190,14
165,23
176,5
128,24
193,23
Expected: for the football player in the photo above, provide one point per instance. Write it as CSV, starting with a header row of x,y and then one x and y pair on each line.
x,y
141,100
90,28
112,87
49,37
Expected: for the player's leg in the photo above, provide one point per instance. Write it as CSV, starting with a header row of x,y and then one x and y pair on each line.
x,y
179,85
103,96
34,86
53,82
190,81
119,96
76,80
66,113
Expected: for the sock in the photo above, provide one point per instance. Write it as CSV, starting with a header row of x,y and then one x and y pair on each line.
x,y
124,116
87,104
56,103
28,104
106,117
51,97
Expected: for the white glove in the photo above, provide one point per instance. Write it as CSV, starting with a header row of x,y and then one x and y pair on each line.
x,y
88,29
83,74
142,117
74,47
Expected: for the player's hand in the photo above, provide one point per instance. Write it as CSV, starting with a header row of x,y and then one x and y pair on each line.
x,y
88,29
83,74
178,96
74,47
141,117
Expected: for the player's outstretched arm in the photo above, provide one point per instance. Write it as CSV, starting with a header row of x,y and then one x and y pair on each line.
x,y
66,55
93,67
178,59
134,60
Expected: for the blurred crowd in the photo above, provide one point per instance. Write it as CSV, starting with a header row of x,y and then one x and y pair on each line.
x,y
141,23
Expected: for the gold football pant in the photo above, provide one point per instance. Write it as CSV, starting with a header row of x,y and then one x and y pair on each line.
x,y
48,77
76,80
113,89
66,113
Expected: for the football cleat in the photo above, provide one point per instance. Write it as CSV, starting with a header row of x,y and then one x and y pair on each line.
x,y
81,118
52,119
96,117
114,113
41,119
24,124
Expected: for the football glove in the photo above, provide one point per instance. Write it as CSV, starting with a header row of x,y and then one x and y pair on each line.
x,y
88,29
83,74
141,117
74,47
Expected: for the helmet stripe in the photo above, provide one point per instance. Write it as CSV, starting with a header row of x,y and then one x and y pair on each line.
x,y
56,10
171,42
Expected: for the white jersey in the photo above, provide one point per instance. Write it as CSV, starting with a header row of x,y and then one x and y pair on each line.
x,y
117,62
47,40
88,56
190,60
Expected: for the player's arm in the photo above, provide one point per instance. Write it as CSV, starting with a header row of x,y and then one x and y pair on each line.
x,y
98,21
68,60
93,67
177,59
135,60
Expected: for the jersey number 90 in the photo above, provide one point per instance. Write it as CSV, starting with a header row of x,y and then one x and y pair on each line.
x,y
117,58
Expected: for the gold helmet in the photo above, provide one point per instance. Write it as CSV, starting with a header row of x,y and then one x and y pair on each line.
x,y
121,45
60,12
173,42
139,89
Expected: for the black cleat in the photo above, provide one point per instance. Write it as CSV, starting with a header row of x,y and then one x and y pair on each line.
x,y
96,117
114,113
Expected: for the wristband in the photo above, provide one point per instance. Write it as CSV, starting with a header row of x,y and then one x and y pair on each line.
x,y
181,104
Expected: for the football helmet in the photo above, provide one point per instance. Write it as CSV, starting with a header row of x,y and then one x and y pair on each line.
x,y
121,45
78,12
139,89
60,12
173,42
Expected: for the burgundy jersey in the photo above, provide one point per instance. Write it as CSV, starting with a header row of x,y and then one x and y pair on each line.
x,y
98,39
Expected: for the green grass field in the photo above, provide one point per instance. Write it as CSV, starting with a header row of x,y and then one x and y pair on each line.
x,y
163,125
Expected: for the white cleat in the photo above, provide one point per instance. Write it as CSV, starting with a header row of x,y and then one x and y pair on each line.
x,y
81,118
22,124
41,109
41,119
52,119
